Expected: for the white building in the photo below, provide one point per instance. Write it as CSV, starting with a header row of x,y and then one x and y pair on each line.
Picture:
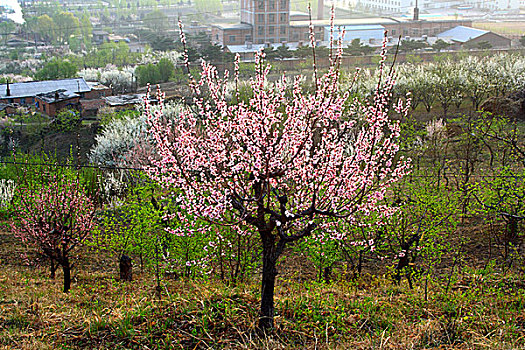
x,y
369,34
392,6
407,6
495,5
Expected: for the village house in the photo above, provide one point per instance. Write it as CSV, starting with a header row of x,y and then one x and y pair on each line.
x,y
122,102
51,103
25,93
465,37
35,93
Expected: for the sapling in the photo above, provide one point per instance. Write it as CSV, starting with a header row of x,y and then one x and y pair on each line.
x,y
56,218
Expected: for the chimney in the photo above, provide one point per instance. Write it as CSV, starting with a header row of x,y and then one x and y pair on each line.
x,y
416,13
8,90
57,95
320,9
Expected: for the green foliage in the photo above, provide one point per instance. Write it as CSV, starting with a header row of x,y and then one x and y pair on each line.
x,y
6,28
156,20
138,228
148,74
303,52
47,28
440,44
500,199
66,120
67,25
157,40
166,69
280,53
215,53
33,170
35,122
323,251
412,45
163,71
357,48
106,116
56,69
484,45
110,52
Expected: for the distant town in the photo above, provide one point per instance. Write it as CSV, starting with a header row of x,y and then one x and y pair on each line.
x,y
115,47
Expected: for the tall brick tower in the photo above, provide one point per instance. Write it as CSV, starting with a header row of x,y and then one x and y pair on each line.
x,y
270,19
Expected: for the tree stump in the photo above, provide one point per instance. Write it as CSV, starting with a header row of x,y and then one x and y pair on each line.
x,y
125,268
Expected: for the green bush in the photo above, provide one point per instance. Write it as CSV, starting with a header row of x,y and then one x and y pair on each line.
x,y
66,120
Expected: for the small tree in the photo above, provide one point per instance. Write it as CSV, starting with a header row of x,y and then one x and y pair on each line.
x,y
56,69
440,44
148,74
412,45
165,68
56,218
483,45
287,163
357,48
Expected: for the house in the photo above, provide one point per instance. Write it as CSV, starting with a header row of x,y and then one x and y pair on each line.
x,y
117,38
100,37
466,37
25,93
126,101
367,33
231,34
90,108
8,108
34,93
51,103
97,91
137,47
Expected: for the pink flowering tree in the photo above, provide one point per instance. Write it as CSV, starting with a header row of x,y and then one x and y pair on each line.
x,y
56,218
287,163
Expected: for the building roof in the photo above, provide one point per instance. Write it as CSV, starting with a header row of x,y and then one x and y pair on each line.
x,y
124,100
366,33
232,26
33,88
462,34
356,27
252,48
299,14
345,22
57,96
4,106
426,17
95,85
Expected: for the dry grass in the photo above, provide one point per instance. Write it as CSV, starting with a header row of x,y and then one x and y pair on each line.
x,y
483,310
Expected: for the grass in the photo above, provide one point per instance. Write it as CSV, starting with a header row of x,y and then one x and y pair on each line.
x,y
484,309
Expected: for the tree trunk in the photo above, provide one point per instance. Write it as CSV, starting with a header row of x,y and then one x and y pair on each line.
x,y
54,267
326,274
268,283
267,292
513,230
126,272
67,274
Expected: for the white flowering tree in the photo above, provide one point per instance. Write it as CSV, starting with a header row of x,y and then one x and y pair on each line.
x,y
120,80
